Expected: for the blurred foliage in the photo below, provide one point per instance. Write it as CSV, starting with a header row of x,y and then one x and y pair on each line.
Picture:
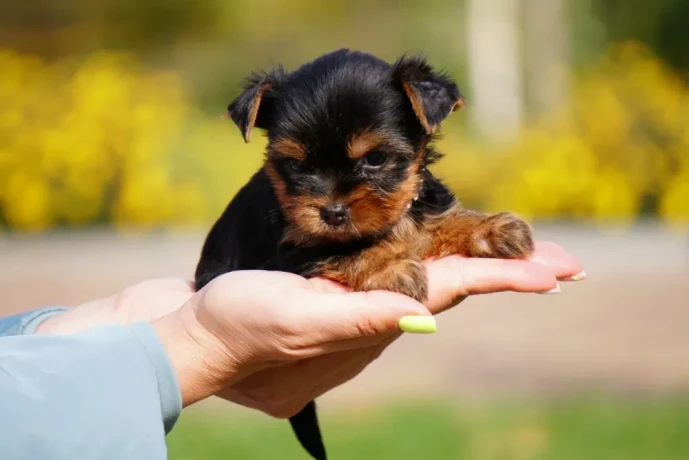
x,y
101,140
618,151
661,24
212,44
596,429
56,28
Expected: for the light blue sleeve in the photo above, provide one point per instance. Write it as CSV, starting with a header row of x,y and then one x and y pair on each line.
x,y
109,393
26,323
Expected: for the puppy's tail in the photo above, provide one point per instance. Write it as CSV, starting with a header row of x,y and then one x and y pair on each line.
x,y
305,426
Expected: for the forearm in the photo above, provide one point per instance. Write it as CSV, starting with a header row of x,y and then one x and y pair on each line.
x,y
107,393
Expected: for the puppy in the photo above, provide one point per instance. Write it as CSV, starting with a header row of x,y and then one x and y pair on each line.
x,y
345,192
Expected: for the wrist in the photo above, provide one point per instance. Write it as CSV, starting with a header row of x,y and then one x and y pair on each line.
x,y
60,323
76,319
194,354
28,322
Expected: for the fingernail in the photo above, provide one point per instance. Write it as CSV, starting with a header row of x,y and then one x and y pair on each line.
x,y
418,324
555,290
578,277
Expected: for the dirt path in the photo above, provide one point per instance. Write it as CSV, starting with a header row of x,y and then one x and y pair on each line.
x,y
626,329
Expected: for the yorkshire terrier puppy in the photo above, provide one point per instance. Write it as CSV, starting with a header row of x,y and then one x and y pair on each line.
x,y
345,192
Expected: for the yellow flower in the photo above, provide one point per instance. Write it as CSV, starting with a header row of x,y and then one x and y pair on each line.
x,y
102,140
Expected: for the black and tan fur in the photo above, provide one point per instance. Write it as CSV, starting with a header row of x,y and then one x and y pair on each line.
x,y
345,191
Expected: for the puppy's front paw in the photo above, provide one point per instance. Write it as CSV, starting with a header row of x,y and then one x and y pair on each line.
x,y
406,277
502,236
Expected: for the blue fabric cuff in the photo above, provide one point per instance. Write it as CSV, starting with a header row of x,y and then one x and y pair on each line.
x,y
26,323
168,386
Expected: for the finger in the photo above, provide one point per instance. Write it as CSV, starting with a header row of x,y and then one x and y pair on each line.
x,y
300,349
282,391
325,285
355,364
564,265
342,367
336,321
301,381
453,277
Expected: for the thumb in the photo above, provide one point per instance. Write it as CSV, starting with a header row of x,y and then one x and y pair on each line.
x,y
349,316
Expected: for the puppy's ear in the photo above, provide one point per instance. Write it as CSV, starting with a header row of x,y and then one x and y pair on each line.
x,y
254,106
433,95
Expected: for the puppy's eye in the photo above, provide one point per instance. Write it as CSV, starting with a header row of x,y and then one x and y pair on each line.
x,y
375,159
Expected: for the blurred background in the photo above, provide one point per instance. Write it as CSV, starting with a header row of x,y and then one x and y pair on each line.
x,y
114,162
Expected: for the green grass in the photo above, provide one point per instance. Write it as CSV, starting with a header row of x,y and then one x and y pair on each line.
x,y
587,430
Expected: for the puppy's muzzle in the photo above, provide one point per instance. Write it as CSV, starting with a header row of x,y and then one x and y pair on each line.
x,y
335,214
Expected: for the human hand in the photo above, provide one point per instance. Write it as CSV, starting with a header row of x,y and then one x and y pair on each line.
x,y
144,301
282,391
451,279
247,321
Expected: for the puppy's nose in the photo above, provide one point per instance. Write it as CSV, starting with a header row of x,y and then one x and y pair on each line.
x,y
334,214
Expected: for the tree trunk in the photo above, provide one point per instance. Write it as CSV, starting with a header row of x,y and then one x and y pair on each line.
x,y
495,70
546,37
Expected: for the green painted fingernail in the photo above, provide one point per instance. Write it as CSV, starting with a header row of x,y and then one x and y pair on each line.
x,y
579,276
418,324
